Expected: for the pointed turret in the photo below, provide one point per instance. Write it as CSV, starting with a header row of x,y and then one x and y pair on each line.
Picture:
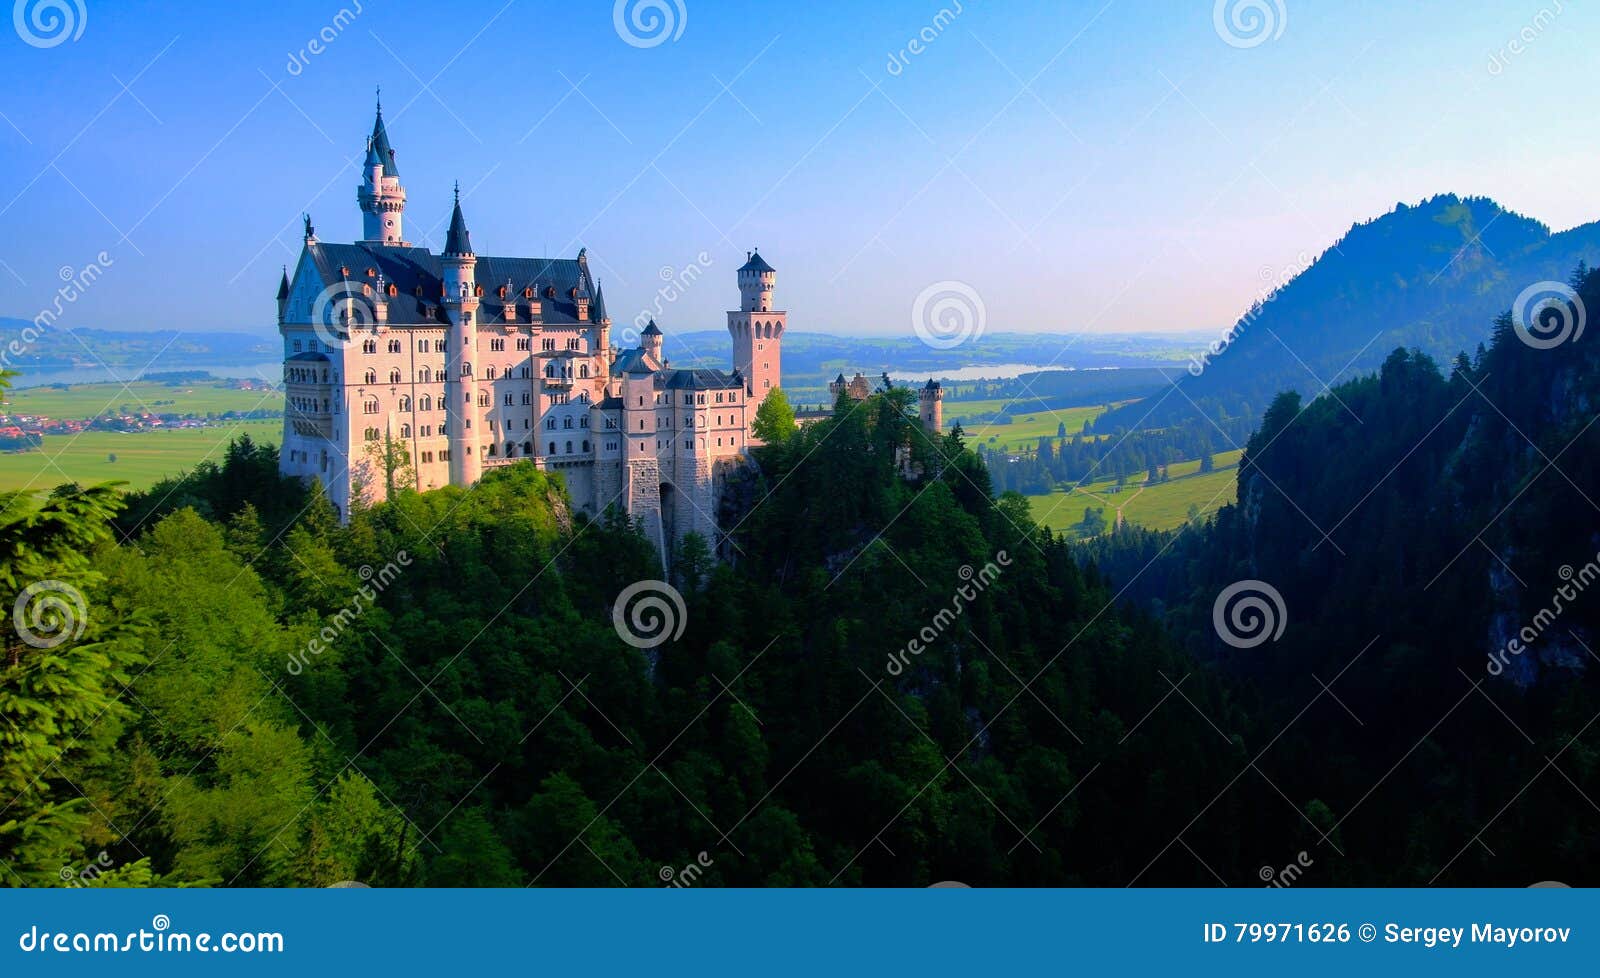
x,y
599,309
382,199
651,340
283,294
458,241
380,143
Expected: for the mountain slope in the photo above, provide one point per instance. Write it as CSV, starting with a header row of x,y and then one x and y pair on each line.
x,y
1430,277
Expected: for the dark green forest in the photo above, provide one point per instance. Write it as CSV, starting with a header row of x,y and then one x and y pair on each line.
x,y
436,694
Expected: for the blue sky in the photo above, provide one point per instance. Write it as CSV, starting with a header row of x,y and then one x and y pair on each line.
x,y
1104,166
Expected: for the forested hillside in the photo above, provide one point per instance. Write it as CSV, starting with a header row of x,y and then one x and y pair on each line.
x,y
1432,534
1428,277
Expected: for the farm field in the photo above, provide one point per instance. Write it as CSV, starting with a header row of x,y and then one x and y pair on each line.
x,y
93,400
1025,429
143,457
1159,507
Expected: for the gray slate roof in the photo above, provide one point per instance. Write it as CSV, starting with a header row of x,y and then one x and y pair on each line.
x,y
409,269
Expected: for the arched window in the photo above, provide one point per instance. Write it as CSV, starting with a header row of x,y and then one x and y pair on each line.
x,y
405,402
425,376
489,374
586,445
583,371
511,449
527,448
466,369
370,406
424,403
552,448
372,434
394,346
566,422
483,399
569,448
371,376
394,376
550,424
405,431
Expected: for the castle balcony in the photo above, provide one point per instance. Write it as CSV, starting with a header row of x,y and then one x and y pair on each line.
x,y
307,409
562,380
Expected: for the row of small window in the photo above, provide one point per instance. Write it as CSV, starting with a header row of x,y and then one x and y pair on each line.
x,y
423,431
308,405
296,455
425,375
304,375
425,402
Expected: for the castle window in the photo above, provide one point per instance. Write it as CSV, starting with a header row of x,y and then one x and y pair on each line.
x,y
466,369
424,403
508,400
422,346
371,434
569,448
511,449
583,371
495,346
394,346
405,402
297,346
550,424
552,448
526,398
438,346
369,407
394,376
566,422
405,431
491,450
583,422
371,376
489,373
522,343
483,399
424,376
527,448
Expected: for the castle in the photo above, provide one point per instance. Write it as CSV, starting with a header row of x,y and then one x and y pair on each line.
x,y
407,369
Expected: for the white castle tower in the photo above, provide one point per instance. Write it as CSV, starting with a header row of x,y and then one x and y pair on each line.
x,y
757,329
460,305
382,199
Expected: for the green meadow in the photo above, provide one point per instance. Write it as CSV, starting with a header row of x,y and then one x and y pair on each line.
x,y
1160,507
93,400
142,458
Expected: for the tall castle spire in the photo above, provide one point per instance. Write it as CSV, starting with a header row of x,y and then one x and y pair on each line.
x,y
382,199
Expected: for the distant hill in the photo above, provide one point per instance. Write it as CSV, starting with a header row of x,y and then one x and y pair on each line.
x,y
62,348
807,356
1431,277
